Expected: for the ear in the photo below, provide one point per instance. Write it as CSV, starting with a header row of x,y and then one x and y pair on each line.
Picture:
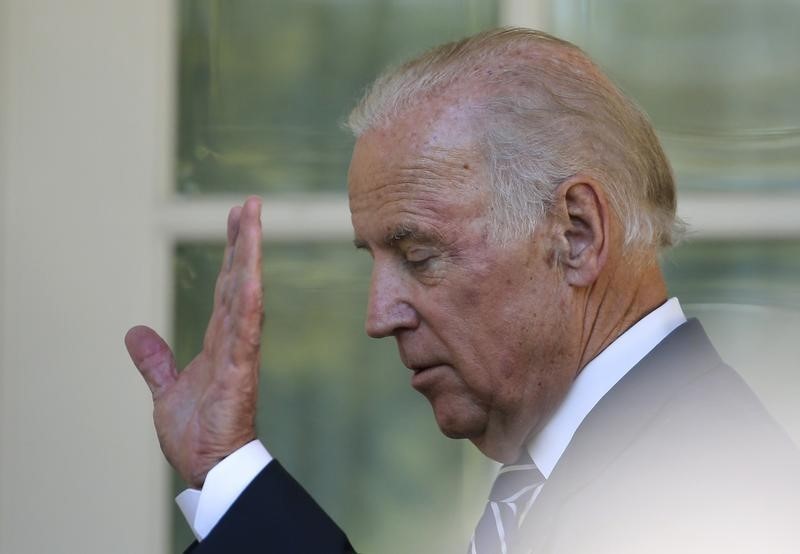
x,y
584,237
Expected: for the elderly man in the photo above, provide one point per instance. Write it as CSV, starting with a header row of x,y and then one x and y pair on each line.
x,y
514,203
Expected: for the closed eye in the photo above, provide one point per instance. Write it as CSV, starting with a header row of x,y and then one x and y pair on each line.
x,y
418,258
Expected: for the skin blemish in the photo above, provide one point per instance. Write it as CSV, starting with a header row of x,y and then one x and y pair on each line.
x,y
465,166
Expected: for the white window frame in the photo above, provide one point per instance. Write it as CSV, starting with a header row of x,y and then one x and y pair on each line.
x,y
739,215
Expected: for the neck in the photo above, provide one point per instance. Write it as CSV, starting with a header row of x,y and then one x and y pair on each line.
x,y
616,302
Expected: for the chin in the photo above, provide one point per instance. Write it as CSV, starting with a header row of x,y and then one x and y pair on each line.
x,y
459,419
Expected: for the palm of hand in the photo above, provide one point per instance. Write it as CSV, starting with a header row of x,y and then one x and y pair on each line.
x,y
207,411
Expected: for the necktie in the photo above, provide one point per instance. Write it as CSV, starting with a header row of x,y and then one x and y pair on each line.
x,y
512,495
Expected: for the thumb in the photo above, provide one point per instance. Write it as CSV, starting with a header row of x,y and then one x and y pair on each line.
x,y
153,358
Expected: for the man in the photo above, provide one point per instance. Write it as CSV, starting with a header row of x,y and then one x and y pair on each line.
x,y
514,203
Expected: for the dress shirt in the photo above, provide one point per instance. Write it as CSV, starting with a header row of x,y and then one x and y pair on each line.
x,y
223,485
228,479
598,377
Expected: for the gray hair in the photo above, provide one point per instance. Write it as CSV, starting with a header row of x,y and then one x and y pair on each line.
x,y
543,113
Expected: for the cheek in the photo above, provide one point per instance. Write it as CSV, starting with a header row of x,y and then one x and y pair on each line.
x,y
523,336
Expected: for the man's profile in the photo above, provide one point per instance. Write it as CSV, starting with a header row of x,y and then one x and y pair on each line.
x,y
514,203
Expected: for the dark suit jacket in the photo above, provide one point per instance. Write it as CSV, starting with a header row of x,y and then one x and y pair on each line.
x,y
274,514
679,456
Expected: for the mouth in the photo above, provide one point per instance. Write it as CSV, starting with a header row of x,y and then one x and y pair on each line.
x,y
424,377
420,368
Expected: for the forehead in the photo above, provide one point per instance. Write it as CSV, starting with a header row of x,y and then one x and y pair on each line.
x,y
421,170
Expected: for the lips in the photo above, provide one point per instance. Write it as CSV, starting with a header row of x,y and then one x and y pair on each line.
x,y
418,362
419,368
426,377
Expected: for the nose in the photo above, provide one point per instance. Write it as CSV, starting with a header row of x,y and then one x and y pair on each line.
x,y
389,309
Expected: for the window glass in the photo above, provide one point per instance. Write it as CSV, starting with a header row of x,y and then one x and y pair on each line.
x,y
265,85
720,80
263,89
753,272
336,407
747,297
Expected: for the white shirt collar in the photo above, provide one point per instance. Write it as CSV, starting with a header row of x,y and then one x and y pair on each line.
x,y
598,377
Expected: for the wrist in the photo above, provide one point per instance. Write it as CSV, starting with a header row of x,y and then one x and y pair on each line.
x,y
224,483
197,472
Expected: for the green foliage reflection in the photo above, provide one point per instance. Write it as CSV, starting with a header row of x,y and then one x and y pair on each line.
x,y
264,86
336,407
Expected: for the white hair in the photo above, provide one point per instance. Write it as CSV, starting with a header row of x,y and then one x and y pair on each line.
x,y
543,113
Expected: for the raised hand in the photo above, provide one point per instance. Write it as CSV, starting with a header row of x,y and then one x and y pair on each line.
x,y
207,411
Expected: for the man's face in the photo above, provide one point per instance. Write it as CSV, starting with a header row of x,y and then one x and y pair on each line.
x,y
480,325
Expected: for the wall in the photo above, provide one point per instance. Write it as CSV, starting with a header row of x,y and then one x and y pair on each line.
x,y
85,153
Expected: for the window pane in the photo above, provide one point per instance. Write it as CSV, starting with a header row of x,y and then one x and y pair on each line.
x,y
264,85
336,407
736,272
747,296
719,78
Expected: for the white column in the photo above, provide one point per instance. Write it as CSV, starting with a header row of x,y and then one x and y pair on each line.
x,y
85,162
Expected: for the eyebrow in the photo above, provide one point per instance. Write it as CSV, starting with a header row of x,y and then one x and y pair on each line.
x,y
399,233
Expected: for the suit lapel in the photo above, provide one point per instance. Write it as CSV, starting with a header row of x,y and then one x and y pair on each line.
x,y
618,420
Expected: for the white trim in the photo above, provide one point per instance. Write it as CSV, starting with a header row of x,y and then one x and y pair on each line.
x,y
287,218
741,215
534,14
723,214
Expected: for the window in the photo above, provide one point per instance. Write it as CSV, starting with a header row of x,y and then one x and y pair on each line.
x,y
263,88
719,80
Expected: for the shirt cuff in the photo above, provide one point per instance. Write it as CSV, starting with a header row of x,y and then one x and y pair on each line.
x,y
224,483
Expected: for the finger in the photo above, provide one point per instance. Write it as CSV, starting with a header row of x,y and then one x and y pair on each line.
x,y
233,231
247,251
248,317
152,357
247,300
227,257
243,251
